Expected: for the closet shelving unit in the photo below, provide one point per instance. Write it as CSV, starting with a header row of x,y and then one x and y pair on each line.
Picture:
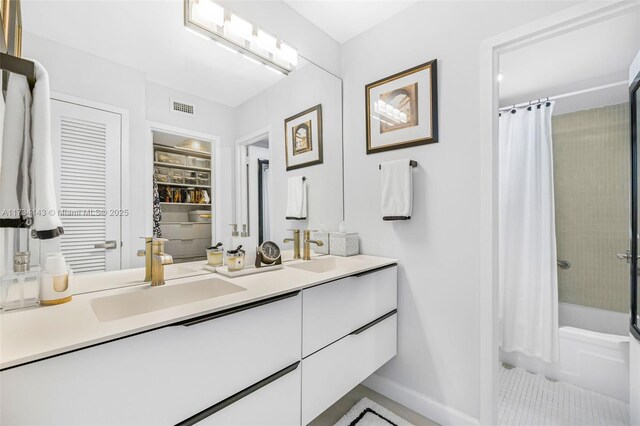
x,y
187,240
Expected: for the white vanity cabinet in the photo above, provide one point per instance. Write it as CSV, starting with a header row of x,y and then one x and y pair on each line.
x,y
349,331
160,377
280,361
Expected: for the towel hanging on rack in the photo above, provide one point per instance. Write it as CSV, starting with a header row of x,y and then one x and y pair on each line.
x,y
296,198
27,191
397,189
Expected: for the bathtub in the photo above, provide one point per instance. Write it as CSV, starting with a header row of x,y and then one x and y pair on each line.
x,y
594,351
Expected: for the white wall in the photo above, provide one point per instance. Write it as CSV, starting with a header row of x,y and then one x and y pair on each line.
x,y
303,89
436,370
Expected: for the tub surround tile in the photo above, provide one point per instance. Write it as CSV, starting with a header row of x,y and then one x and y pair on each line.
x,y
591,176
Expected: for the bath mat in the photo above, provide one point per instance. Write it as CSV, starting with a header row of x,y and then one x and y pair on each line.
x,y
368,413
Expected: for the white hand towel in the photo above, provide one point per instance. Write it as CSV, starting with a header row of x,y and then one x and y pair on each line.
x,y
397,190
296,198
15,179
48,224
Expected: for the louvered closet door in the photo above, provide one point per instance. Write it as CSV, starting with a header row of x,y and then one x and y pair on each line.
x,y
86,151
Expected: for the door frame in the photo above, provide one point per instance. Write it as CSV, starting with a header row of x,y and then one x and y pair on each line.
x,y
125,198
214,140
240,143
261,223
567,20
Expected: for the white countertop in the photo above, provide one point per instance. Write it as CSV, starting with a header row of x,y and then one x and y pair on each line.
x,y
33,334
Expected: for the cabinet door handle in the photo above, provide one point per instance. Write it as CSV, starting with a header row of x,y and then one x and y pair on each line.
x,y
209,317
111,244
238,396
372,323
373,271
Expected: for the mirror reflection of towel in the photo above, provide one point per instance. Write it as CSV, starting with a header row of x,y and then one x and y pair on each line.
x,y
296,198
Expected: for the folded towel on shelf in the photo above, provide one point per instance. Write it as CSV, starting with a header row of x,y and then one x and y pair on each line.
x,y
27,191
397,190
296,198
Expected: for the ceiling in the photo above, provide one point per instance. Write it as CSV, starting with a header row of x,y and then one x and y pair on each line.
x,y
345,19
150,36
591,56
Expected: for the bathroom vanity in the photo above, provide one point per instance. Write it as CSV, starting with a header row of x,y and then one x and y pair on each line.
x,y
272,348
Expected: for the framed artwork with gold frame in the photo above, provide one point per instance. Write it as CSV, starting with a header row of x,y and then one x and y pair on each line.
x,y
402,109
303,138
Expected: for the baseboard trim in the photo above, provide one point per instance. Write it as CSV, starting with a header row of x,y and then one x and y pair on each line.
x,y
420,403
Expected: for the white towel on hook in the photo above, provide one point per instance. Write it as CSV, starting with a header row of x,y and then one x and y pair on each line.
x,y
44,194
397,190
15,178
296,198
27,192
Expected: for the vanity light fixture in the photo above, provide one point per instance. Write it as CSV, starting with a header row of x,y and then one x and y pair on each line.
x,y
208,12
272,69
233,33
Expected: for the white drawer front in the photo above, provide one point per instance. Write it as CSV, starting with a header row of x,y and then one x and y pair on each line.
x,y
186,230
330,373
277,404
160,377
333,310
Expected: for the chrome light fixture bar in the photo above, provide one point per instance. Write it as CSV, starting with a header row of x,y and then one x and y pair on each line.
x,y
231,32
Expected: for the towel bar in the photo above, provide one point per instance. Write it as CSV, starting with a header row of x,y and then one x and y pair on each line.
x,y
412,163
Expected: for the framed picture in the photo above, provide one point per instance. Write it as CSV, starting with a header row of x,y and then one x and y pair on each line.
x,y
303,138
402,110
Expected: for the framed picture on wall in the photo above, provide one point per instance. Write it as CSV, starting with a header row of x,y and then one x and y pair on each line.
x,y
402,109
303,138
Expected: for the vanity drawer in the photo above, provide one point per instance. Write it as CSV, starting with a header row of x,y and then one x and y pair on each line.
x,y
159,377
187,246
331,311
329,374
186,230
277,403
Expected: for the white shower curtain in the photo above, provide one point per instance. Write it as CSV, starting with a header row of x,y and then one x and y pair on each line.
x,y
528,289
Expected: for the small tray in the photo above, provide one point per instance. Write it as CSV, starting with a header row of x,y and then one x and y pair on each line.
x,y
250,270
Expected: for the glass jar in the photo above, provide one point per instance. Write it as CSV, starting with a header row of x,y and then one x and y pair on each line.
x,y
235,259
19,290
215,256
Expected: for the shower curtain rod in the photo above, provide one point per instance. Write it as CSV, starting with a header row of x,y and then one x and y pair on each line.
x,y
564,95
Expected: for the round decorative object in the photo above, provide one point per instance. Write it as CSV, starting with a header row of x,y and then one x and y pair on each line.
x,y
269,252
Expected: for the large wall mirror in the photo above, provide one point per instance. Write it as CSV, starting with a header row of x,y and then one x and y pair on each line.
x,y
635,143
158,129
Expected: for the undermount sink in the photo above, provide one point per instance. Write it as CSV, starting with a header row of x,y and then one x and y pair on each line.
x,y
178,269
149,299
317,265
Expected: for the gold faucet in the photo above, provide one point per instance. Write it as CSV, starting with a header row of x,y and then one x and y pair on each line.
x,y
147,257
155,260
296,243
307,244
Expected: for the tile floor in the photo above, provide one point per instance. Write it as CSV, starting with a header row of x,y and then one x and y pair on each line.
x,y
531,399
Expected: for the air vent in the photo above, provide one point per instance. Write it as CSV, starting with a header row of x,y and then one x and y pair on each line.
x,y
184,108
